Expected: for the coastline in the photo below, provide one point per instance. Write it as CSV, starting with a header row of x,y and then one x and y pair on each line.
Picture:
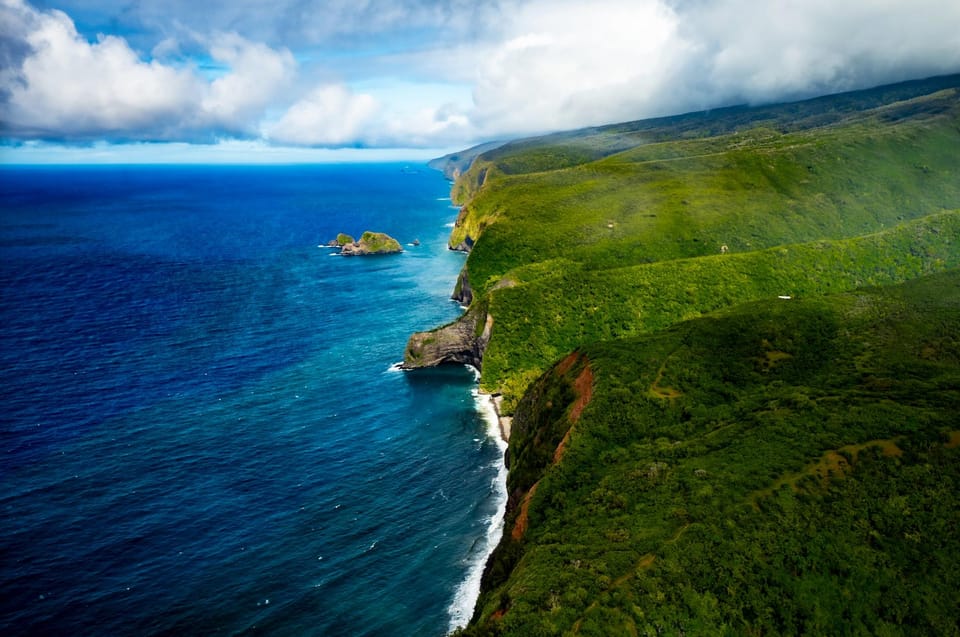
x,y
504,423
489,407
467,591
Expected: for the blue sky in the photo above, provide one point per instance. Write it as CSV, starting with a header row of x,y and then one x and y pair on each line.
x,y
346,80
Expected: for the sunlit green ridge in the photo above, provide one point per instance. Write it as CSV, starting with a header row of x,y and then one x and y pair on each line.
x,y
727,341
777,176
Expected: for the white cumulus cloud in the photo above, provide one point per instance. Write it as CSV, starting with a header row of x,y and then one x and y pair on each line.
x,y
71,88
258,75
357,76
330,115
565,63
63,87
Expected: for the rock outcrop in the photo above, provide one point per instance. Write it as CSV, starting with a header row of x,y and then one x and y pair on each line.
x,y
460,342
464,246
463,293
369,243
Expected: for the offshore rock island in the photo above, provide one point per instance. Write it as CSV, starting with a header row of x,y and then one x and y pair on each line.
x,y
691,453
370,243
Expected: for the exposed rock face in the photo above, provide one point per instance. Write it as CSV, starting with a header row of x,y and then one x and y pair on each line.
x,y
463,293
464,246
462,341
369,243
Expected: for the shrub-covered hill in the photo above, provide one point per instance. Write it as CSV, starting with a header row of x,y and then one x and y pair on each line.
x,y
785,467
748,190
659,221
729,342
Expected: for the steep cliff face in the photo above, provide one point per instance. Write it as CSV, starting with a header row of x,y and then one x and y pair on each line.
x,y
464,232
460,342
542,426
463,293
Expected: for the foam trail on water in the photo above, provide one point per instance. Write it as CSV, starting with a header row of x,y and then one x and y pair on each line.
x,y
465,597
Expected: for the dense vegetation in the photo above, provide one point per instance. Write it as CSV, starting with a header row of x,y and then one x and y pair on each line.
x,y
756,431
775,468
665,230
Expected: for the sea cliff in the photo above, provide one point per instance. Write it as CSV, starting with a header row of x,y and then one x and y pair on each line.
x,y
460,342
683,316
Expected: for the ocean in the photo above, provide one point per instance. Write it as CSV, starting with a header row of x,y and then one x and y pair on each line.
x,y
203,428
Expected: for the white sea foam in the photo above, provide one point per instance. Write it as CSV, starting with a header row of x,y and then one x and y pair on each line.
x,y
450,225
465,597
396,367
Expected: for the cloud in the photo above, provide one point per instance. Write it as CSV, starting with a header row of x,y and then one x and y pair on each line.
x,y
258,76
564,64
63,87
558,64
278,23
330,115
397,73
67,87
784,49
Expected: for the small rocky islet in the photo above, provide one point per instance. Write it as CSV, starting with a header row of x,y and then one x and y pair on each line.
x,y
369,243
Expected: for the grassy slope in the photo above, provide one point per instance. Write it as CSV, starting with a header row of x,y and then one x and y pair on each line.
x,y
722,476
685,199
539,321
741,464
748,191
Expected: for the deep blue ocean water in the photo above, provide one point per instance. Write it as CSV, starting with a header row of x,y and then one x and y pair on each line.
x,y
201,430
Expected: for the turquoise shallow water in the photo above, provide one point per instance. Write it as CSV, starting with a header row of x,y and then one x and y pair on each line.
x,y
201,430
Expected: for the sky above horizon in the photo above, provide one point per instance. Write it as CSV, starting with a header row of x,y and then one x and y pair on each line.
x,y
331,80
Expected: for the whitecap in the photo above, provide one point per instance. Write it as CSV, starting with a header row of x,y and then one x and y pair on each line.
x,y
468,591
396,367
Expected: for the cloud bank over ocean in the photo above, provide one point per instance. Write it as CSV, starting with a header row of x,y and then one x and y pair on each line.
x,y
414,73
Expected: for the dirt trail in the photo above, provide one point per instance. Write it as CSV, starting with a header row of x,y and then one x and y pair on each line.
x,y
831,465
668,393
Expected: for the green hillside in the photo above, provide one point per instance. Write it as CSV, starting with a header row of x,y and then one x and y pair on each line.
x,y
663,230
775,468
728,341
750,190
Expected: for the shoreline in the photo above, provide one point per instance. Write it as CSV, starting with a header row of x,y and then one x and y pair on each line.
x,y
505,423
467,592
